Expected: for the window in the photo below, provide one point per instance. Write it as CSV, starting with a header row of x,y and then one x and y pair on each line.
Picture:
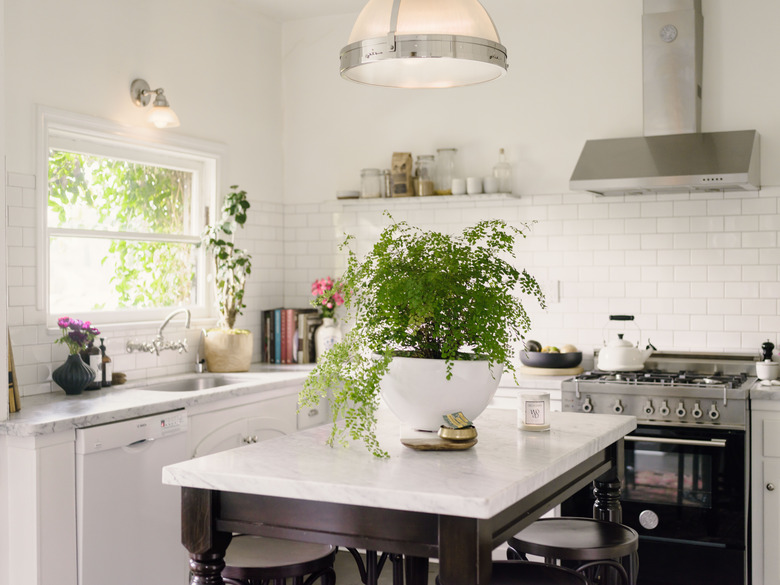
x,y
122,222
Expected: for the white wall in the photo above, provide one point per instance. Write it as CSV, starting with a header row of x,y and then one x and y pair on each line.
x,y
698,271
220,66
575,73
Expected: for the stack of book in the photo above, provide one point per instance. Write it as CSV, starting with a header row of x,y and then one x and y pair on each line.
x,y
288,335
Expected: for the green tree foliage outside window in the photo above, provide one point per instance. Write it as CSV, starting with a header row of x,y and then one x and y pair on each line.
x,y
145,213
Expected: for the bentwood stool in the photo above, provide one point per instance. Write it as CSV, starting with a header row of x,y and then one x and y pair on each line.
x,y
255,560
525,573
593,546
374,563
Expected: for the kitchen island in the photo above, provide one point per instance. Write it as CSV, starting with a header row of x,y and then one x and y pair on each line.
x,y
454,506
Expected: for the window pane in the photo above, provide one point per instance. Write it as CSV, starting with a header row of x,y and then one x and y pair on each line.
x,y
88,274
99,193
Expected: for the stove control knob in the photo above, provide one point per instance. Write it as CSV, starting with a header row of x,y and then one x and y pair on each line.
x,y
681,412
696,411
713,413
587,406
664,410
648,409
648,519
617,408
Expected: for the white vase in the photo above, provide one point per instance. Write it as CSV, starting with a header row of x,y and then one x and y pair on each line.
x,y
326,336
417,391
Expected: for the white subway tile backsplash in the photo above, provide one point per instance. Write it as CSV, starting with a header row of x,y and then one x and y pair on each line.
x,y
759,239
726,306
759,205
707,224
741,223
724,240
725,207
724,273
699,271
691,208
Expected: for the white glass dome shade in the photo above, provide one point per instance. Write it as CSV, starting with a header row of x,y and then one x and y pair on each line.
x,y
423,44
425,17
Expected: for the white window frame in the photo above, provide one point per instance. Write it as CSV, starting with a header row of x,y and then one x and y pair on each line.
x,y
73,132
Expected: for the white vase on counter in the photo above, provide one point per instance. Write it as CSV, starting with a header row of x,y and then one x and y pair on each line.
x,y
326,336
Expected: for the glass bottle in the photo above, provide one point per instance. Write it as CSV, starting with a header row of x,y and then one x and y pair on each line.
x,y
106,366
445,171
91,357
370,183
424,171
503,173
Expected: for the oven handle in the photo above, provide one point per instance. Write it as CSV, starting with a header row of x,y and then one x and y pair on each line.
x,y
719,443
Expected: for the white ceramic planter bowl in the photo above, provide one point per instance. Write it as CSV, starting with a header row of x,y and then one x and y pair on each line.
x,y
417,391
768,370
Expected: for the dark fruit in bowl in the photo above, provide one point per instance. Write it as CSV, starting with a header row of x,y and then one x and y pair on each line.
x,y
531,345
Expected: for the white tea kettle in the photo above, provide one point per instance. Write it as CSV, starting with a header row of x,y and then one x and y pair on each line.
x,y
620,355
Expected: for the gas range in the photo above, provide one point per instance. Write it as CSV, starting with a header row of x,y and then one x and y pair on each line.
x,y
675,388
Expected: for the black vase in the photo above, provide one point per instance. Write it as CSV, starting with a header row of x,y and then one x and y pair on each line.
x,y
74,375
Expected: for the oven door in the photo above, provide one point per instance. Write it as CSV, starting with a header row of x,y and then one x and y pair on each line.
x,y
684,493
686,484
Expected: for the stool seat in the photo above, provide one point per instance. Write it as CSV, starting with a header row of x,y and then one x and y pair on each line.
x,y
525,573
256,557
576,539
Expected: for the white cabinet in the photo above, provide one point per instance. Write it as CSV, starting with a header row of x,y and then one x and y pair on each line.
x,y
765,492
228,427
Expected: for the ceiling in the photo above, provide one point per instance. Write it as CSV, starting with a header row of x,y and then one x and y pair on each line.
x,y
283,10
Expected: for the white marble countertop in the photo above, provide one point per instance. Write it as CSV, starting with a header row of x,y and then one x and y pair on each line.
x,y
50,413
506,465
763,391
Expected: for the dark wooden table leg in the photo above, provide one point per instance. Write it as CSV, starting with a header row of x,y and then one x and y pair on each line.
x,y
199,536
465,554
415,570
607,488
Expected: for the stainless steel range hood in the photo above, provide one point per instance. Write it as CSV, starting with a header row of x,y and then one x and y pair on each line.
x,y
673,155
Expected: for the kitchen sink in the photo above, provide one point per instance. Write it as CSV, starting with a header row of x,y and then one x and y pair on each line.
x,y
193,384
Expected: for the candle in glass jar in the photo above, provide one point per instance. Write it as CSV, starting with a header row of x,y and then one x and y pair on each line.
x,y
533,411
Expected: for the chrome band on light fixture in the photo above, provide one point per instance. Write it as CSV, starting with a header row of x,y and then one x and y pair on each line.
x,y
420,60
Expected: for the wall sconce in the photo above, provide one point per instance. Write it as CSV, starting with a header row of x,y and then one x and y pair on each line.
x,y
162,115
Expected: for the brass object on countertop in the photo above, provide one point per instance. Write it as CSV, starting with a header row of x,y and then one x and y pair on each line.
x,y
462,434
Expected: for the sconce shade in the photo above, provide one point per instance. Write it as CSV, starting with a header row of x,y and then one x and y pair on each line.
x,y
423,44
162,115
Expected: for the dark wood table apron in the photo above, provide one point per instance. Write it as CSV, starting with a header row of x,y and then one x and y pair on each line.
x,y
463,545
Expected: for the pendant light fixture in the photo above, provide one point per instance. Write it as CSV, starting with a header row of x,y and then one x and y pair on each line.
x,y
423,44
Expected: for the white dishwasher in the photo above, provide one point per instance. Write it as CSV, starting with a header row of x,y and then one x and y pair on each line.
x,y
128,522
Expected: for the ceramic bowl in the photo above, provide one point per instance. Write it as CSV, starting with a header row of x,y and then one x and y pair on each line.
x,y
537,359
767,370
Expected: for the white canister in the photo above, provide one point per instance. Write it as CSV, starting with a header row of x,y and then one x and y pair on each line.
x,y
533,411
490,185
473,185
458,186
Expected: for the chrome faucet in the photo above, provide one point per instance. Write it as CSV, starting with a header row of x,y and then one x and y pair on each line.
x,y
160,343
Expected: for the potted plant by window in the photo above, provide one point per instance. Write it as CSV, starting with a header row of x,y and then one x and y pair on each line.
x,y
228,349
430,310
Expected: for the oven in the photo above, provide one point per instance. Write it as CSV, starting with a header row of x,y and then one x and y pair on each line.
x,y
686,467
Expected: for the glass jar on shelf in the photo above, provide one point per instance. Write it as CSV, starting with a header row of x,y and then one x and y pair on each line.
x,y
502,172
370,183
446,170
424,171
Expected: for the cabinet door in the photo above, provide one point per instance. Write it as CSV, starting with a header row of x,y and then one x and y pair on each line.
x,y
227,428
770,487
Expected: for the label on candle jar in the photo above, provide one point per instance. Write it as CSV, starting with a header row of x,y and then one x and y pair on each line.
x,y
533,412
